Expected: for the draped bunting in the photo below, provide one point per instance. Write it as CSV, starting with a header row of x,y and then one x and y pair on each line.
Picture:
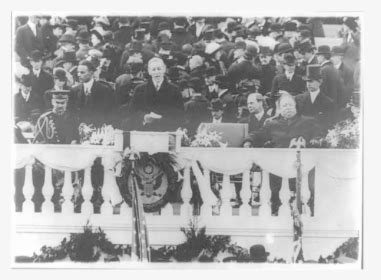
x,y
339,164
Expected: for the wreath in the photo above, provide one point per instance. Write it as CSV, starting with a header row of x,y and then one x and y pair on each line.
x,y
166,163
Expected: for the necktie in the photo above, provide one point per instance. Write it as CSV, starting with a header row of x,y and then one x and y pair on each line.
x,y
87,96
157,86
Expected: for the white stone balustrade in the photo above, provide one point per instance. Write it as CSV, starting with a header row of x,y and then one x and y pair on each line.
x,y
164,228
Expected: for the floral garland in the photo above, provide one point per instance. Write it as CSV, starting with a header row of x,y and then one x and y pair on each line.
x,y
344,135
96,136
206,138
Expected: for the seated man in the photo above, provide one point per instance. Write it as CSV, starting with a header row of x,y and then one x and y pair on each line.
x,y
278,132
57,126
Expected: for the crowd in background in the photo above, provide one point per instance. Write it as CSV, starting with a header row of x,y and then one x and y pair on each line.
x,y
101,70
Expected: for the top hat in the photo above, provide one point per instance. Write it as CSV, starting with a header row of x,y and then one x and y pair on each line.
x,y
258,253
313,72
36,55
323,49
67,38
337,50
163,26
216,105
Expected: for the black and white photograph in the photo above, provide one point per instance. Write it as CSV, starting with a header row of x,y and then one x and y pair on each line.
x,y
199,140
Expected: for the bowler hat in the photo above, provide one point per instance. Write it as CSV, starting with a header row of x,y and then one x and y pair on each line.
x,y
196,84
265,50
216,105
231,26
289,26
135,46
36,55
304,47
25,80
283,48
337,50
275,27
289,59
313,72
258,253
73,23
67,38
323,49
83,36
210,71
60,74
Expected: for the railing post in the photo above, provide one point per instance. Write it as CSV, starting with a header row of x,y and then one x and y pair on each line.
x,y
265,193
48,191
284,195
208,197
226,195
245,209
110,191
28,188
186,192
67,192
87,193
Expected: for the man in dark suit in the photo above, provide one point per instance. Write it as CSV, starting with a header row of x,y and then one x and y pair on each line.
x,y
157,104
315,103
257,117
288,81
268,69
94,100
27,105
346,75
278,133
41,80
196,109
244,67
198,28
28,39
227,98
308,52
217,112
331,85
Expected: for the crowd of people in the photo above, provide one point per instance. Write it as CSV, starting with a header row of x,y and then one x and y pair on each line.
x,y
165,73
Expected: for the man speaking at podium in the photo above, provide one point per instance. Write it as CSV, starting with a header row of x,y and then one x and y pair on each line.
x,y
157,104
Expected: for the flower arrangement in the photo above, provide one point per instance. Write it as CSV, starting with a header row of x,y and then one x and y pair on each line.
x,y
96,136
208,139
345,135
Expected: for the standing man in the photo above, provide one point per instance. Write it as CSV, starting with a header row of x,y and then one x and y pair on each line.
x,y
28,39
41,80
94,100
157,104
57,126
331,84
346,75
315,103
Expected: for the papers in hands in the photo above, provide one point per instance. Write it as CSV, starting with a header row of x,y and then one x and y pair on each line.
x,y
155,116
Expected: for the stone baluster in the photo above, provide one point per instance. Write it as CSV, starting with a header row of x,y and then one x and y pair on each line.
x,y
87,193
284,195
110,191
67,193
226,195
186,192
245,209
305,196
125,210
28,188
48,191
208,197
265,193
